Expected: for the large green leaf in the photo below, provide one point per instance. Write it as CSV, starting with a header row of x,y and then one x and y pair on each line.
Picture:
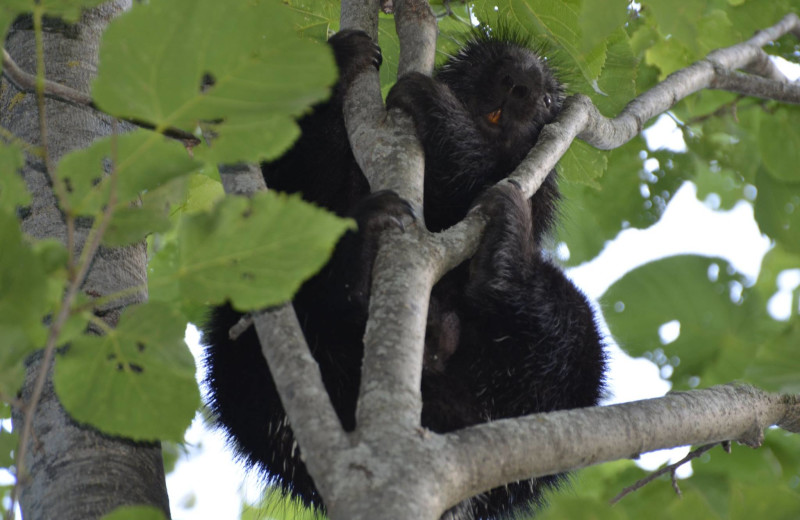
x,y
598,20
155,59
556,21
255,252
137,380
718,333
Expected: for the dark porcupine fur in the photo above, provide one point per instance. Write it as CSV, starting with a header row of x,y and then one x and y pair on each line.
x,y
508,334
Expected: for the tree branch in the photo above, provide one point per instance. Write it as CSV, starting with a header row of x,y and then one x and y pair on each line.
x,y
492,454
314,422
580,118
295,372
403,271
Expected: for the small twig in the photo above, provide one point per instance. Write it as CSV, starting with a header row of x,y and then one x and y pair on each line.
x,y
244,323
27,83
671,469
756,86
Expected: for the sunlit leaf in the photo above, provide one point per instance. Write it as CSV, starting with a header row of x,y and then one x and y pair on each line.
x,y
137,380
255,252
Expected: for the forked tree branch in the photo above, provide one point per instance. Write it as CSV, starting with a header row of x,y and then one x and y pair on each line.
x,y
474,463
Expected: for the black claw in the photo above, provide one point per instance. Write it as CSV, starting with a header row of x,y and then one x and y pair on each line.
x,y
399,223
383,209
377,58
355,52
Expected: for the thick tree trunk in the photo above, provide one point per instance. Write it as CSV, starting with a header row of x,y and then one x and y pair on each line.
x,y
71,471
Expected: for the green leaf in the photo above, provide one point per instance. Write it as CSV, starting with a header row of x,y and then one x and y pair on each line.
x,y
154,59
625,196
390,51
773,264
250,141
722,148
13,191
204,192
315,19
163,284
132,223
714,491
27,294
583,163
9,442
598,20
273,500
777,210
618,79
669,56
135,513
255,252
752,15
137,381
718,336
16,348
777,365
144,161
676,19
553,20
779,143
714,31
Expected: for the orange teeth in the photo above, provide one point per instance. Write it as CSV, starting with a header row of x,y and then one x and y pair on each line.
x,y
494,117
